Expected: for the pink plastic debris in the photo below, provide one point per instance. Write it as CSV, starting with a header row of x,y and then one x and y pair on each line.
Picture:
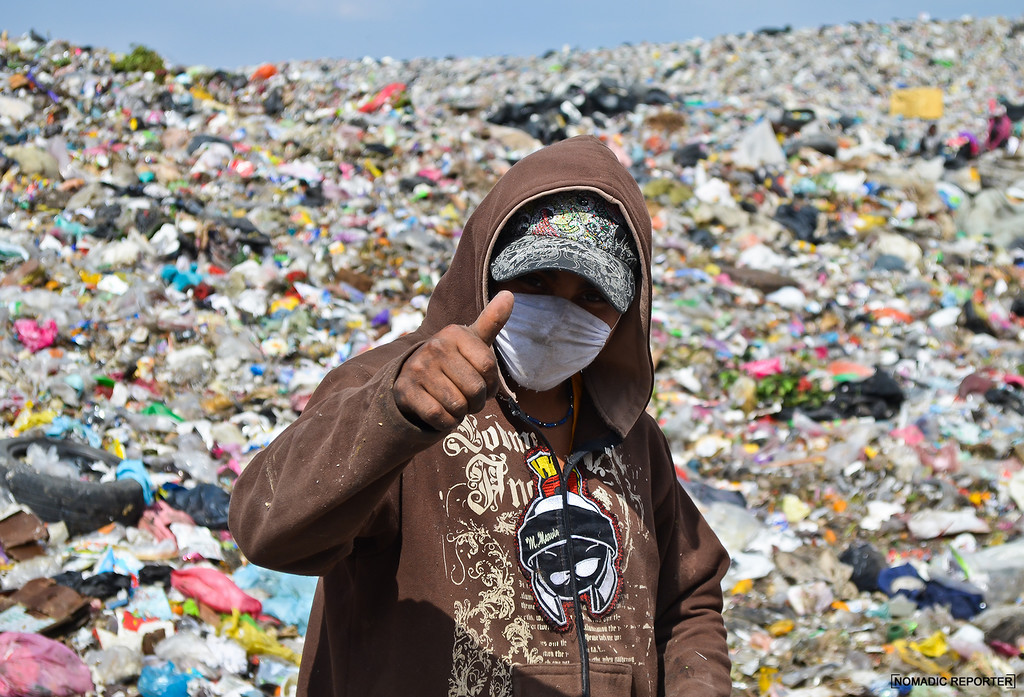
x,y
945,459
32,665
911,435
157,519
214,589
1012,379
763,368
35,336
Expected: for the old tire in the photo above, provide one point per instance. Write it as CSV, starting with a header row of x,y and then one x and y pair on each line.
x,y
83,505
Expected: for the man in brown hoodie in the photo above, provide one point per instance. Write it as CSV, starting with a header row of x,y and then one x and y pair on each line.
x,y
489,507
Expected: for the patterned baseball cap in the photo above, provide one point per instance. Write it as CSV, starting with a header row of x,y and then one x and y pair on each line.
x,y
575,231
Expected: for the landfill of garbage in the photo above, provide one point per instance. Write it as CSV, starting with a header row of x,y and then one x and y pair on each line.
x,y
838,313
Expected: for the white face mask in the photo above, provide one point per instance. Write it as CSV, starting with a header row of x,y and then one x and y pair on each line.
x,y
547,339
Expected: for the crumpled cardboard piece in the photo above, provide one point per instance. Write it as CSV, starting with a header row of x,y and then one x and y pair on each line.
x,y
22,535
58,609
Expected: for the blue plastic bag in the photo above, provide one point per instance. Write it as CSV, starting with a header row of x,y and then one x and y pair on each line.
x,y
163,681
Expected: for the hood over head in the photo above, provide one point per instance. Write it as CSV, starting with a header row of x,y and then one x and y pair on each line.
x,y
621,378
575,231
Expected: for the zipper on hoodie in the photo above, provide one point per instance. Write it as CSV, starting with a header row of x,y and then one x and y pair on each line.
x,y
570,464
577,606
563,472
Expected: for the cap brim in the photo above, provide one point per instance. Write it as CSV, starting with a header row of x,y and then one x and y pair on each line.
x,y
537,253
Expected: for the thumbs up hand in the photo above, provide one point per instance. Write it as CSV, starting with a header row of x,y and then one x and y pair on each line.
x,y
454,372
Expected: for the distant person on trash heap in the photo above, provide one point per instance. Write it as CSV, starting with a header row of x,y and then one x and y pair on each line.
x,y
489,506
1000,128
930,144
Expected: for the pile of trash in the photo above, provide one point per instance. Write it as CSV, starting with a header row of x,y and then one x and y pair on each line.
x,y
838,314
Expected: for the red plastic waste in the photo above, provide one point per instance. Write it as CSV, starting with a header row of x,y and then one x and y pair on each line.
x,y
382,97
264,72
214,589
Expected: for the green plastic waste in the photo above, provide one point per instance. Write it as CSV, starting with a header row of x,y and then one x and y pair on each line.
x,y
160,409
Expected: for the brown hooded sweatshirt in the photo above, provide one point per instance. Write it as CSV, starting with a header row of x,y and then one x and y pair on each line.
x,y
443,556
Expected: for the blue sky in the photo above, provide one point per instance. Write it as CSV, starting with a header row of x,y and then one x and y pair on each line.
x,y
236,33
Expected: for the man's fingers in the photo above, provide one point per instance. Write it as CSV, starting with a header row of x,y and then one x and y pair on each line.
x,y
439,405
454,372
493,317
474,383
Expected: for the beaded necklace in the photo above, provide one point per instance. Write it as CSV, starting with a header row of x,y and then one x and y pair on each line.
x,y
552,424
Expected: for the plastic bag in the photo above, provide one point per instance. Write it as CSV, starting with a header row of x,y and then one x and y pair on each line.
x,y
255,641
189,650
214,589
163,681
291,595
193,457
35,335
34,665
207,504
47,461
113,665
